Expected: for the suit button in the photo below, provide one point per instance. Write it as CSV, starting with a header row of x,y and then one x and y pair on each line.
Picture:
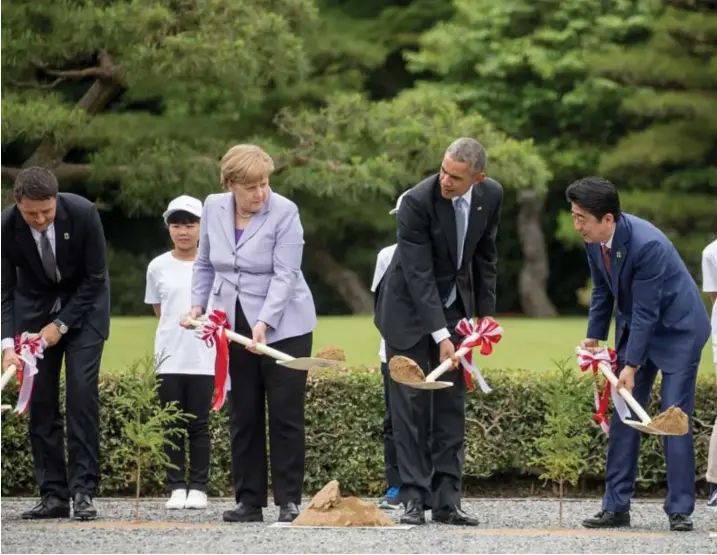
x,y
236,289
236,270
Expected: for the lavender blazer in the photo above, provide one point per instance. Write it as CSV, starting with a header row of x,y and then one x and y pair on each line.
x,y
263,269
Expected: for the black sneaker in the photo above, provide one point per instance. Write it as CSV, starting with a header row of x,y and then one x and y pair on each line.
x,y
712,499
244,513
680,523
608,519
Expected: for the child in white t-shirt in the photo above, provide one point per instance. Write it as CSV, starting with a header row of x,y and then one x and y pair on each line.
x,y
185,365
390,498
709,286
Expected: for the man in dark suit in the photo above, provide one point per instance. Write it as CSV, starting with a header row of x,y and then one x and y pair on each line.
x,y
55,283
661,323
443,270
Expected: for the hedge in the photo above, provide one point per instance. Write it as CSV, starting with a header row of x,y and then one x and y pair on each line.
x,y
344,424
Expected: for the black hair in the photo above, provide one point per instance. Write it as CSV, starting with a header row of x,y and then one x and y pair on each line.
x,y
35,183
182,217
597,195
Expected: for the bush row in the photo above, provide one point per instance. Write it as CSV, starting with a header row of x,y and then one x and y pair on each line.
x,y
344,422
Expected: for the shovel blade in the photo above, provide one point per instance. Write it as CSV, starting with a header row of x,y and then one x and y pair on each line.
x,y
307,363
428,385
647,429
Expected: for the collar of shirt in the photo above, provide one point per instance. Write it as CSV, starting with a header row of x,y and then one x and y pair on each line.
x,y
50,234
608,244
467,196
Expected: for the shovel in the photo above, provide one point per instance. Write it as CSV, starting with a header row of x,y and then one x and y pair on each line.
x,y
303,363
646,424
405,371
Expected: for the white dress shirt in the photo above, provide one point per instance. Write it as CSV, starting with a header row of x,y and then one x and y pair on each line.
x,y
443,333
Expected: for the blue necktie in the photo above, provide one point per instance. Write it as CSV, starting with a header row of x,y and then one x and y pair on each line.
x,y
459,207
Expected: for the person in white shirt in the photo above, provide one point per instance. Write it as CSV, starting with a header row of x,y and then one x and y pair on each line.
x,y
709,286
185,365
390,499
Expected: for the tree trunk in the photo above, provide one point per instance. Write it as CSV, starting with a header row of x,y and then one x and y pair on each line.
x,y
341,279
533,278
52,151
560,517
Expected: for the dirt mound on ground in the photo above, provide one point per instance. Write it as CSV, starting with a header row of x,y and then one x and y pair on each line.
x,y
328,508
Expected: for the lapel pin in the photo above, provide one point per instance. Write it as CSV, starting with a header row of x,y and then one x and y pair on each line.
x,y
66,236
480,208
618,255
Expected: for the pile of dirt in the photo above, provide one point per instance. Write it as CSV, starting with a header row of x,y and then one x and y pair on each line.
x,y
673,421
328,508
404,370
331,353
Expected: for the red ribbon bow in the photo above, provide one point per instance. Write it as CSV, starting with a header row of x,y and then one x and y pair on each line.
x,y
212,333
28,350
588,361
484,334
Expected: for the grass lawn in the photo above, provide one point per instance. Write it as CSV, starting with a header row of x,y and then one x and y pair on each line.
x,y
527,343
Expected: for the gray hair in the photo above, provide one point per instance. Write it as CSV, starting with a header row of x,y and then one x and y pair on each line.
x,y
469,151
35,183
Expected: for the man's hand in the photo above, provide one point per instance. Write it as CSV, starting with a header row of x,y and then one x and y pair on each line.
x,y
194,314
258,335
51,334
447,350
591,345
9,357
626,379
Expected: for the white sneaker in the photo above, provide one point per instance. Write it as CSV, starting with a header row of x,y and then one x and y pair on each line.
x,y
177,500
196,500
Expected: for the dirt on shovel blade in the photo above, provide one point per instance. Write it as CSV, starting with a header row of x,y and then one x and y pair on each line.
x,y
672,421
404,369
331,353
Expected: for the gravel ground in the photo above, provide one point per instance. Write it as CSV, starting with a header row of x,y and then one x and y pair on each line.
x,y
507,526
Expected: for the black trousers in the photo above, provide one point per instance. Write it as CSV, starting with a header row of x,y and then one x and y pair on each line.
x,y
193,394
82,350
257,381
429,428
389,446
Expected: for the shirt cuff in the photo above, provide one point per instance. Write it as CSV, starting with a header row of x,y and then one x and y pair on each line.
x,y
440,335
7,343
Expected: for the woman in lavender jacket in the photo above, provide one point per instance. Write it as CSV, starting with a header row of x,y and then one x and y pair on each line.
x,y
249,262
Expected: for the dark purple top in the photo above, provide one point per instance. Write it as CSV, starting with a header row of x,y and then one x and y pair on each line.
x,y
237,234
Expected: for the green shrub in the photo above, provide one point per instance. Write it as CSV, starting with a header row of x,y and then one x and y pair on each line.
x,y
344,426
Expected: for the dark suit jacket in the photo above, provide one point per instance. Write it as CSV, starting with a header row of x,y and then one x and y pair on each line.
x,y
28,295
424,266
660,314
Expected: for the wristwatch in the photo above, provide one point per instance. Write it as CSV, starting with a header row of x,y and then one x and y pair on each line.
x,y
61,326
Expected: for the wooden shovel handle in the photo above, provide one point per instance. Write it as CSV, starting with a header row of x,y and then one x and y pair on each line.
x,y
445,365
264,349
634,405
7,376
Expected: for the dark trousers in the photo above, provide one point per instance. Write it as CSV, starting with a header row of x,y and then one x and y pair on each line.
x,y
256,380
193,395
623,448
82,351
389,446
429,428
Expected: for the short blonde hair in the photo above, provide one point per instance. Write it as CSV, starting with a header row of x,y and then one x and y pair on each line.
x,y
243,164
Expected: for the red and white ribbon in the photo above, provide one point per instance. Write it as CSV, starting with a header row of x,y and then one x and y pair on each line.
x,y
29,349
484,334
590,361
212,333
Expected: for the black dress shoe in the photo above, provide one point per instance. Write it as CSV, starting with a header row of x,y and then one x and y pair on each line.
x,y
608,519
288,512
48,507
83,507
453,515
244,513
414,513
680,523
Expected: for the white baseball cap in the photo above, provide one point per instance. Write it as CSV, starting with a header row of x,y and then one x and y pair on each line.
x,y
398,204
184,203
